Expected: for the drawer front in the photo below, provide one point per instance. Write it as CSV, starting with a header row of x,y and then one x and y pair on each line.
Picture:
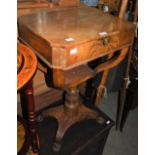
x,y
66,58
86,52
91,50
95,49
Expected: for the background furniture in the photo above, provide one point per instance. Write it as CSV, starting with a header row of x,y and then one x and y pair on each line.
x,y
26,68
117,78
123,97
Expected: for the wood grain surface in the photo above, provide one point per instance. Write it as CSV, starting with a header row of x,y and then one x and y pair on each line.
x,y
29,60
86,28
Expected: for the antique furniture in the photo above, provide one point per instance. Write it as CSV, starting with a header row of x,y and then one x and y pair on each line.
x,y
83,138
43,95
106,71
131,96
118,76
26,68
65,42
123,91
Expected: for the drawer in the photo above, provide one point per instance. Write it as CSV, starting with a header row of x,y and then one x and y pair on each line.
x,y
88,51
92,50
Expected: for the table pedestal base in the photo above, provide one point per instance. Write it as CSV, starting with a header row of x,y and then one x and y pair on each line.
x,y
71,112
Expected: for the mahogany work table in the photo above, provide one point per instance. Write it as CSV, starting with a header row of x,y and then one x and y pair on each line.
x,y
26,68
65,40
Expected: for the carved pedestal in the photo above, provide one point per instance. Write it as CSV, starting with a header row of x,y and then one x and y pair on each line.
x,y
71,112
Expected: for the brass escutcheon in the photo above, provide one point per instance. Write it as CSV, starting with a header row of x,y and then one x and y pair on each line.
x,y
106,41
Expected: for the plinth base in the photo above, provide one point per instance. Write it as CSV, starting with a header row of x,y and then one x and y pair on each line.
x,y
65,120
82,138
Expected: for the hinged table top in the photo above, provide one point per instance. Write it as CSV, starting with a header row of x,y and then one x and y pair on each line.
x,y
79,24
65,38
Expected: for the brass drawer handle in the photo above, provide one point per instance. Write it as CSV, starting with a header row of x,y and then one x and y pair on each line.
x,y
106,41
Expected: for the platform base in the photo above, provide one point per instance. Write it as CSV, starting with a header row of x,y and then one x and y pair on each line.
x,y
65,121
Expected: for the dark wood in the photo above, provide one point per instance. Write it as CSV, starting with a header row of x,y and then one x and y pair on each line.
x,y
131,102
123,91
131,96
136,12
31,116
71,112
85,137
27,70
45,32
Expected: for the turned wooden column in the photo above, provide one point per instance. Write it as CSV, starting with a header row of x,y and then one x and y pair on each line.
x,y
26,68
31,116
72,101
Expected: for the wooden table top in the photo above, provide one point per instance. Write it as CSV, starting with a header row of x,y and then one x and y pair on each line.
x,y
63,30
26,65
81,24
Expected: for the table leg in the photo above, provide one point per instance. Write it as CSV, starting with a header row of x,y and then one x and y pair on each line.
x,y
31,117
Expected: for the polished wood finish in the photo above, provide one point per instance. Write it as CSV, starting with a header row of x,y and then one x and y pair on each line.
x,y
43,96
26,67
56,52
72,112
65,42
136,12
28,107
31,116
